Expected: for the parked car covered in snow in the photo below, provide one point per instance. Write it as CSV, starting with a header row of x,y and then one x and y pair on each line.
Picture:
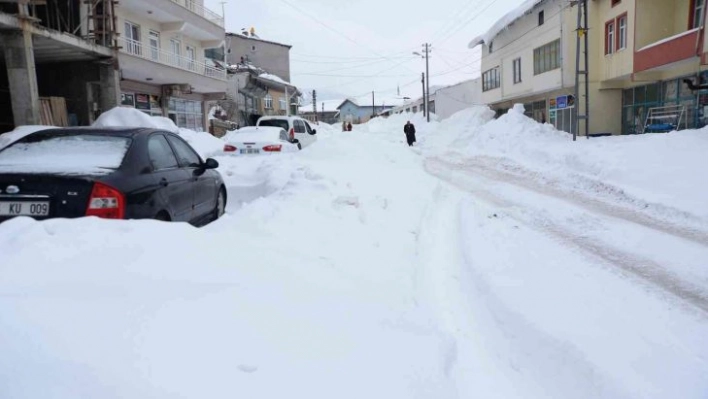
x,y
120,173
299,130
258,140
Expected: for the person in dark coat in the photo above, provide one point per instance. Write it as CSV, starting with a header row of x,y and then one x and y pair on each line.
x,y
409,130
349,126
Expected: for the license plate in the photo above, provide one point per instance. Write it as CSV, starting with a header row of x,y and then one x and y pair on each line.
x,y
30,208
250,151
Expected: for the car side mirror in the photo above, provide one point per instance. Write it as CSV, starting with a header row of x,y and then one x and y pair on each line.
x,y
314,131
211,163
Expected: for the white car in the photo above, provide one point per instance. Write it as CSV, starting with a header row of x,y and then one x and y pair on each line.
x,y
299,130
258,140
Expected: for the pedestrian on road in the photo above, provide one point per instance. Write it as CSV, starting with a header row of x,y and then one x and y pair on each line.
x,y
409,130
349,127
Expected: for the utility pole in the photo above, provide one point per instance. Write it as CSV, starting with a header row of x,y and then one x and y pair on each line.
x,y
422,82
287,102
314,104
582,47
373,105
322,116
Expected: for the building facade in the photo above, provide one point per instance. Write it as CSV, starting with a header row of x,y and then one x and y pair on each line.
x,y
247,48
163,68
351,111
640,54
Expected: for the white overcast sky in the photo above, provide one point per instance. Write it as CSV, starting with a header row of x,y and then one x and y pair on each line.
x,y
352,47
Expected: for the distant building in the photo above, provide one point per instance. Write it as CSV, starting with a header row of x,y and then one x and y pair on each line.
x,y
351,111
445,101
326,111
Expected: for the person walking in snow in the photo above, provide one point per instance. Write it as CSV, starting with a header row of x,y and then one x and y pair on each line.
x,y
344,126
349,127
409,130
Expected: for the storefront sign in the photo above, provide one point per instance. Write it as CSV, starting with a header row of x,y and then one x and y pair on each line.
x,y
142,101
562,102
127,99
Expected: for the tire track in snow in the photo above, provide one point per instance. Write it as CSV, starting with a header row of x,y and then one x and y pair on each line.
x,y
485,166
645,269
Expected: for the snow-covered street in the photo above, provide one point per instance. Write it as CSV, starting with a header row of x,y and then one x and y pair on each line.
x,y
495,259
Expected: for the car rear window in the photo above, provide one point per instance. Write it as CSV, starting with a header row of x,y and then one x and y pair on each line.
x,y
81,154
283,124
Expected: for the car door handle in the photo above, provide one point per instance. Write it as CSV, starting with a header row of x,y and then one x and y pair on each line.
x,y
164,182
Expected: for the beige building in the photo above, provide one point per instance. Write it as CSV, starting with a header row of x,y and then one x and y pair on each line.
x,y
639,53
163,68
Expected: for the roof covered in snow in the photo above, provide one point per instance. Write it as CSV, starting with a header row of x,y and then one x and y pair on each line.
x,y
504,22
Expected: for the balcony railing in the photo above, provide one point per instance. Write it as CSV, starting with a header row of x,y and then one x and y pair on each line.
x,y
202,11
137,49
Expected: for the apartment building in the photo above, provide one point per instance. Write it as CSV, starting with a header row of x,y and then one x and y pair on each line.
x,y
640,52
56,49
163,68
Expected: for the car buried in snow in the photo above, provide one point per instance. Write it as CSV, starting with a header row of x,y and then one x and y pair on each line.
x,y
255,140
299,130
113,173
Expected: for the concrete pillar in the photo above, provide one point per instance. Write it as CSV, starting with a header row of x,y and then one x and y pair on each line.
x,y
110,87
22,75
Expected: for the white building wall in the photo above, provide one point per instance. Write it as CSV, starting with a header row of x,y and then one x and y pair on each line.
x,y
519,40
452,99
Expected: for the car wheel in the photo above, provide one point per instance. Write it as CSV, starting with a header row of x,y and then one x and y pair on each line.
x,y
163,216
220,208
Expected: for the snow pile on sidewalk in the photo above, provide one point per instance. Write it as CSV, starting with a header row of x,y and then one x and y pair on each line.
x,y
663,170
204,143
20,132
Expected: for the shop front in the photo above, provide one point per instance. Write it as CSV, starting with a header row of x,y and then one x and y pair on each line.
x,y
690,108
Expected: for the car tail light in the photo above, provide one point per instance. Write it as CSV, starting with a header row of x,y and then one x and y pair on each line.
x,y
106,202
273,148
292,133
229,148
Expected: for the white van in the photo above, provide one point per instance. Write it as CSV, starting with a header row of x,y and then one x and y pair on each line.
x,y
299,130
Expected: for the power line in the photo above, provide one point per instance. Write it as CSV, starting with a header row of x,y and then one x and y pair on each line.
x,y
331,29
457,16
454,32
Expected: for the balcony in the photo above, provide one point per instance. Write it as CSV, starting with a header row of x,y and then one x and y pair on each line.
x,y
683,46
138,62
188,17
202,11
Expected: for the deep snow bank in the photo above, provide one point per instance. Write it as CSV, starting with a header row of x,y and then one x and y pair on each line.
x,y
204,143
647,170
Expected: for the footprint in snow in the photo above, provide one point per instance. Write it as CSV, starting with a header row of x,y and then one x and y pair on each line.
x,y
246,368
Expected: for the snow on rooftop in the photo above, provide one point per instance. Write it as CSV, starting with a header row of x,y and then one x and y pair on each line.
x,y
274,78
505,21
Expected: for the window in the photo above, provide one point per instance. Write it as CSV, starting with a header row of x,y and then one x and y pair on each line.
x,y
154,41
308,128
186,156
132,38
547,57
160,153
491,47
698,13
541,18
615,2
268,101
622,32
491,79
282,104
299,126
610,37
517,70
186,113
